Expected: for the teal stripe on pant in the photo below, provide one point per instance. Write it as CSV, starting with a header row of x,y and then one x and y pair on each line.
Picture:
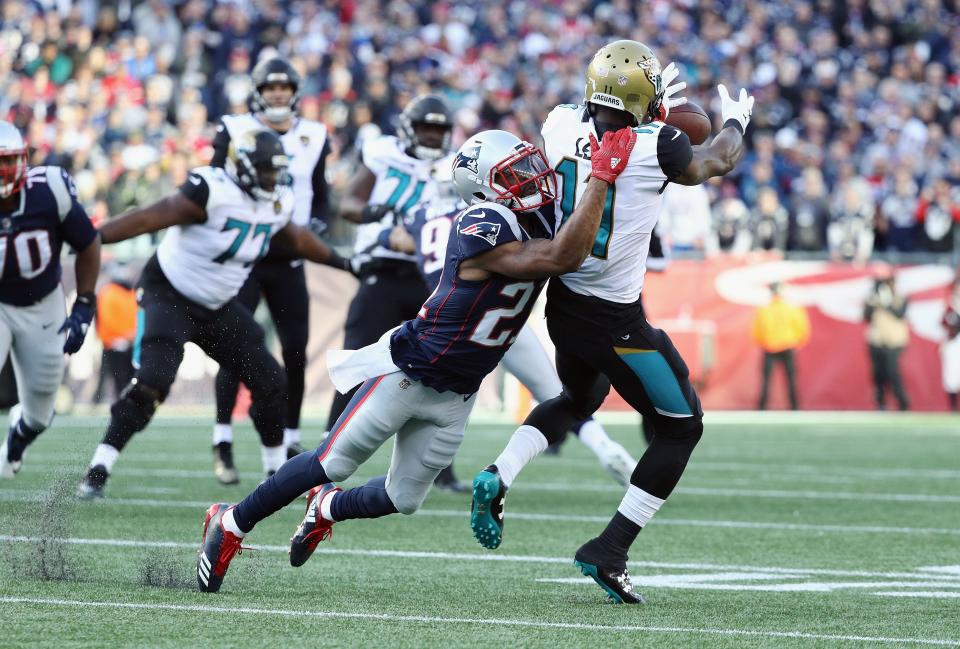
x,y
138,338
658,380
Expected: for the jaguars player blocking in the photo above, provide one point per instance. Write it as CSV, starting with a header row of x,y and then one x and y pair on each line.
x,y
594,315
420,381
221,222
425,233
279,277
38,213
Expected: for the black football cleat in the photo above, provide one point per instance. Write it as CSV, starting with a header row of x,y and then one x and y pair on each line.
x,y
609,572
92,485
295,449
218,547
223,467
486,511
313,529
446,480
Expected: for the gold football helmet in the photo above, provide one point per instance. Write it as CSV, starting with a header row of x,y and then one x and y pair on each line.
x,y
626,75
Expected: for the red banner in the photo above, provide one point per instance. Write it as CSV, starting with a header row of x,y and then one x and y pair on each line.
x,y
707,307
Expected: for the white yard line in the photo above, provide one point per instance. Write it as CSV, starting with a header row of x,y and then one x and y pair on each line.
x,y
931,594
496,557
484,622
200,505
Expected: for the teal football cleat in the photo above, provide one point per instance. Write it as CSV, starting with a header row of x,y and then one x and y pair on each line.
x,y
610,573
486,512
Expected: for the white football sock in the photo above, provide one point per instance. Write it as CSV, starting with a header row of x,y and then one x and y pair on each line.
x,y
291,436
594,436
105,455
273,457
230,524
639,506
525,444
222,433
325,505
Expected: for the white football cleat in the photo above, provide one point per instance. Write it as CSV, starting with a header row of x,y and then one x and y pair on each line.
x,y
617,461
8,468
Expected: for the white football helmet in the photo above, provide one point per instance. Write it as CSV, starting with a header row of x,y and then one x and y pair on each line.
x,y
13,160
499,167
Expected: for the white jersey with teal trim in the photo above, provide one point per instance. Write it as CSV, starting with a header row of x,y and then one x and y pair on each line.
x,y
208,262
303,144
615,268
402,182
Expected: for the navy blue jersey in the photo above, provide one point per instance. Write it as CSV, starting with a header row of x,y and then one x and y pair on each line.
x,y
465,327
31,235
430,228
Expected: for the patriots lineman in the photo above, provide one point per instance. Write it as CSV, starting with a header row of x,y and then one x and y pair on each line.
x,y
38,212
279,277
595,316
221,222
420,381
427,231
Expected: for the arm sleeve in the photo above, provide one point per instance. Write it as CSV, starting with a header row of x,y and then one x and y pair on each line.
x,y
320,206
221,142
76,227
483,229
673,151
196,189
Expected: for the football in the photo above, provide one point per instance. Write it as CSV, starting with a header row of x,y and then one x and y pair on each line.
x,y
692,120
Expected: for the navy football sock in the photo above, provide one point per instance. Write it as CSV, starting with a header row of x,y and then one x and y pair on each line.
x,y
369,501
296,477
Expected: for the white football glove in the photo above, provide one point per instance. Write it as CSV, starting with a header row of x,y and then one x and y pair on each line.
x,y
670,73
740,109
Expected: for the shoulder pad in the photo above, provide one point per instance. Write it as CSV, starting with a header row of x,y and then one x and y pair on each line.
x,y
560,113
488,219
236,124
63,190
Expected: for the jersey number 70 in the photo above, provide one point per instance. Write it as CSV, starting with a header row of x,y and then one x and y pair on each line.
x,y
568,202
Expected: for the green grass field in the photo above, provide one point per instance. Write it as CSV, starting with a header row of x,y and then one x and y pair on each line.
x,y
819,531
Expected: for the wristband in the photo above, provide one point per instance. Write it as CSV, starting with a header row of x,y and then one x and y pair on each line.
x,y
735,123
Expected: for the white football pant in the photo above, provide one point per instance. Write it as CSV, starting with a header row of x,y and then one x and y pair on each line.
x,y
29,333
428,427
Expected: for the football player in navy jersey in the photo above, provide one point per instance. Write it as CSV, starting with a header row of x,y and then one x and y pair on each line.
x,y
420,380
425,233
38,212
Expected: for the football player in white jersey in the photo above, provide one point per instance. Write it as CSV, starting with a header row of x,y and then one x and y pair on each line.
x,y
279,277
425,233
220,223
594,315
395,176
39,212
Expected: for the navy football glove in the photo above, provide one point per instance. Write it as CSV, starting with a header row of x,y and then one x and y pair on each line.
x,y
78,322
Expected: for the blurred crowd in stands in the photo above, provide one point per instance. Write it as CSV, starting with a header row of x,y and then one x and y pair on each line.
x,y
855,140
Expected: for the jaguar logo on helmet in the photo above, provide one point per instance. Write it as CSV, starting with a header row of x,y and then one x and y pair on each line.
x,y
652,69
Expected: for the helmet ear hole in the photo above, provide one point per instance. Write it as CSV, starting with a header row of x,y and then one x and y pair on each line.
x,y
479,195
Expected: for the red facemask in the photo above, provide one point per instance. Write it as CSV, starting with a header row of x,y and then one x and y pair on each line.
x,y
524,178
